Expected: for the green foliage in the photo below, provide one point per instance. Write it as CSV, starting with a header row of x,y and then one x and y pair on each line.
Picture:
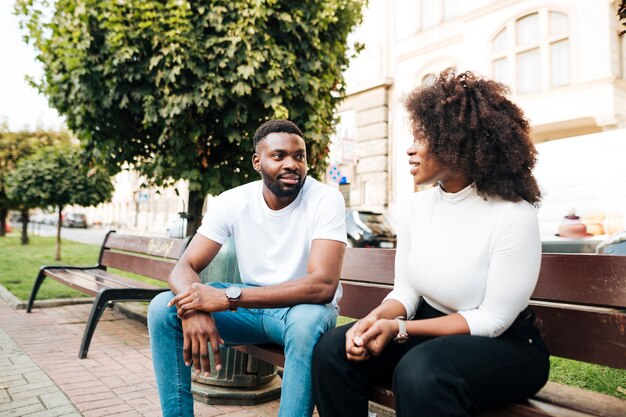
x,y
56,176
19,145
176,88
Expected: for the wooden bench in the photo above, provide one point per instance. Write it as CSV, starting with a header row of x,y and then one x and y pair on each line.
x,y
147,256
580,303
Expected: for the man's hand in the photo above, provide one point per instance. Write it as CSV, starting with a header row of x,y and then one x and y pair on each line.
x,y
200,331
200,297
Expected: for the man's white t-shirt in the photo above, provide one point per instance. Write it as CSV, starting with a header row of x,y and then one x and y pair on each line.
x,y
273,246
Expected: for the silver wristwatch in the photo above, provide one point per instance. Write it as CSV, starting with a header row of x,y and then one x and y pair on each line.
x,y
402,336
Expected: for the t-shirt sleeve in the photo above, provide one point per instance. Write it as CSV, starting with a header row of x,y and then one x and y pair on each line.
x,y
215,223
402,291
330,221
512,275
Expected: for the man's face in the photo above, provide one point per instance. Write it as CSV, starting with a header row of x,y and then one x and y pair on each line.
x,y
281,160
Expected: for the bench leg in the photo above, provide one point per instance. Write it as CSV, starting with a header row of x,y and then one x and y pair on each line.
x,y
33,294
101,302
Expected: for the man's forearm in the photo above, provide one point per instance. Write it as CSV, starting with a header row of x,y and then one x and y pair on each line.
x,y
181,278
300,291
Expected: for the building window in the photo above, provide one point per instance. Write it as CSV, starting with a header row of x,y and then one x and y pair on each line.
x,y
433,12
428,79
532,53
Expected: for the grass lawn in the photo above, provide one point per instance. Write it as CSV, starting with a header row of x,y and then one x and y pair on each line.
x,y
19,266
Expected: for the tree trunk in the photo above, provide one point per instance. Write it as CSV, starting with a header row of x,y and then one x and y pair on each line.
x,y
195,204
25,239
3,220
57,252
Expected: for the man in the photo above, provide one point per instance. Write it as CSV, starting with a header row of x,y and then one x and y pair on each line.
x,y
290,238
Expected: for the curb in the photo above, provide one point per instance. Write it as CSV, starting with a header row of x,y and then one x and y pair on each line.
x,y
133,310
18,304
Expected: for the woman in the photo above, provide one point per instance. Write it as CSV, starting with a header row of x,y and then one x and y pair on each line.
x,y
467,261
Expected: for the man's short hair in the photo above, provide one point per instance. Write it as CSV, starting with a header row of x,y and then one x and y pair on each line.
x,y
275,126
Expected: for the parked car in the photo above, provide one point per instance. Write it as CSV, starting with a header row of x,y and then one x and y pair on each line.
x,y
50,218
38,218
75,220
613,245
368,229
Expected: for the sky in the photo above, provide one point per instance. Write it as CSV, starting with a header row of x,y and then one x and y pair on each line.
x,y
21,106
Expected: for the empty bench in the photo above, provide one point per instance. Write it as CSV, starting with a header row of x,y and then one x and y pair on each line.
x,y
147,256
580,304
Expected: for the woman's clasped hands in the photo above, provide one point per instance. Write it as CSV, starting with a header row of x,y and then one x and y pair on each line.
x,y
369,336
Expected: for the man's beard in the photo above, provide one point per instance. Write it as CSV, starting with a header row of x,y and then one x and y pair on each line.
x,y
280,190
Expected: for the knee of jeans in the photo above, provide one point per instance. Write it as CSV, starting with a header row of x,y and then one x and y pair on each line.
x,y
310,319
158,311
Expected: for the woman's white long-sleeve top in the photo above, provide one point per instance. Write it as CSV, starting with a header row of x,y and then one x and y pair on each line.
x,y
467,254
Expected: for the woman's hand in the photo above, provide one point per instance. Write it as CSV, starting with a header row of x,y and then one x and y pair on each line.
x,y
378,336
355,348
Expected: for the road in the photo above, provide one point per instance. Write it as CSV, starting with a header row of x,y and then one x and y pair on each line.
x,y
91,236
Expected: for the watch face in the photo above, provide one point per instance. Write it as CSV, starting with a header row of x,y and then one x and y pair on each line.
x,y
401,338
233,292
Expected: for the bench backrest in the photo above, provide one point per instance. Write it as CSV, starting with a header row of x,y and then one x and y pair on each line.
x,y
580,300
148,256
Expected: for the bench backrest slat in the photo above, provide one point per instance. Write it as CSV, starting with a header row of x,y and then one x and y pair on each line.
x,y
152,257
154,246
369,265
593,335
362,299
150,267
583,279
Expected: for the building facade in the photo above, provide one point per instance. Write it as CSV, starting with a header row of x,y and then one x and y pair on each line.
x,y
564,61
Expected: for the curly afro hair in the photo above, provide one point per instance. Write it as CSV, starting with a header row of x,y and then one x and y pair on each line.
x,y
471,128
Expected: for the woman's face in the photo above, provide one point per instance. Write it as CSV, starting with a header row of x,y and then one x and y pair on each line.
x,y
427,170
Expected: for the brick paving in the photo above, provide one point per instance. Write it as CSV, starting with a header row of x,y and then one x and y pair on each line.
x,y
41,375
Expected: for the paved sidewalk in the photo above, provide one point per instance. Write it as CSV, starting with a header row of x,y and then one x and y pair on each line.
x,y
41,375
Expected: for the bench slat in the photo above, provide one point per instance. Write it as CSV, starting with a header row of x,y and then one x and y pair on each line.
x,y
582,400
368,265
587,334
117,281
161,247
361,299
583,279
150,267
271,353
93,280
74,280
553,400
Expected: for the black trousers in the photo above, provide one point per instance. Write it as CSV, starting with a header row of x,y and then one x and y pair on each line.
x,y
433,376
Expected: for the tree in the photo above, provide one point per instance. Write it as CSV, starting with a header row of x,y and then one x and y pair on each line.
x,y
57,177
13,147
175,89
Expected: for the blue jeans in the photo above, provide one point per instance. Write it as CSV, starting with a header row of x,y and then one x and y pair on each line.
x,y
297,328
